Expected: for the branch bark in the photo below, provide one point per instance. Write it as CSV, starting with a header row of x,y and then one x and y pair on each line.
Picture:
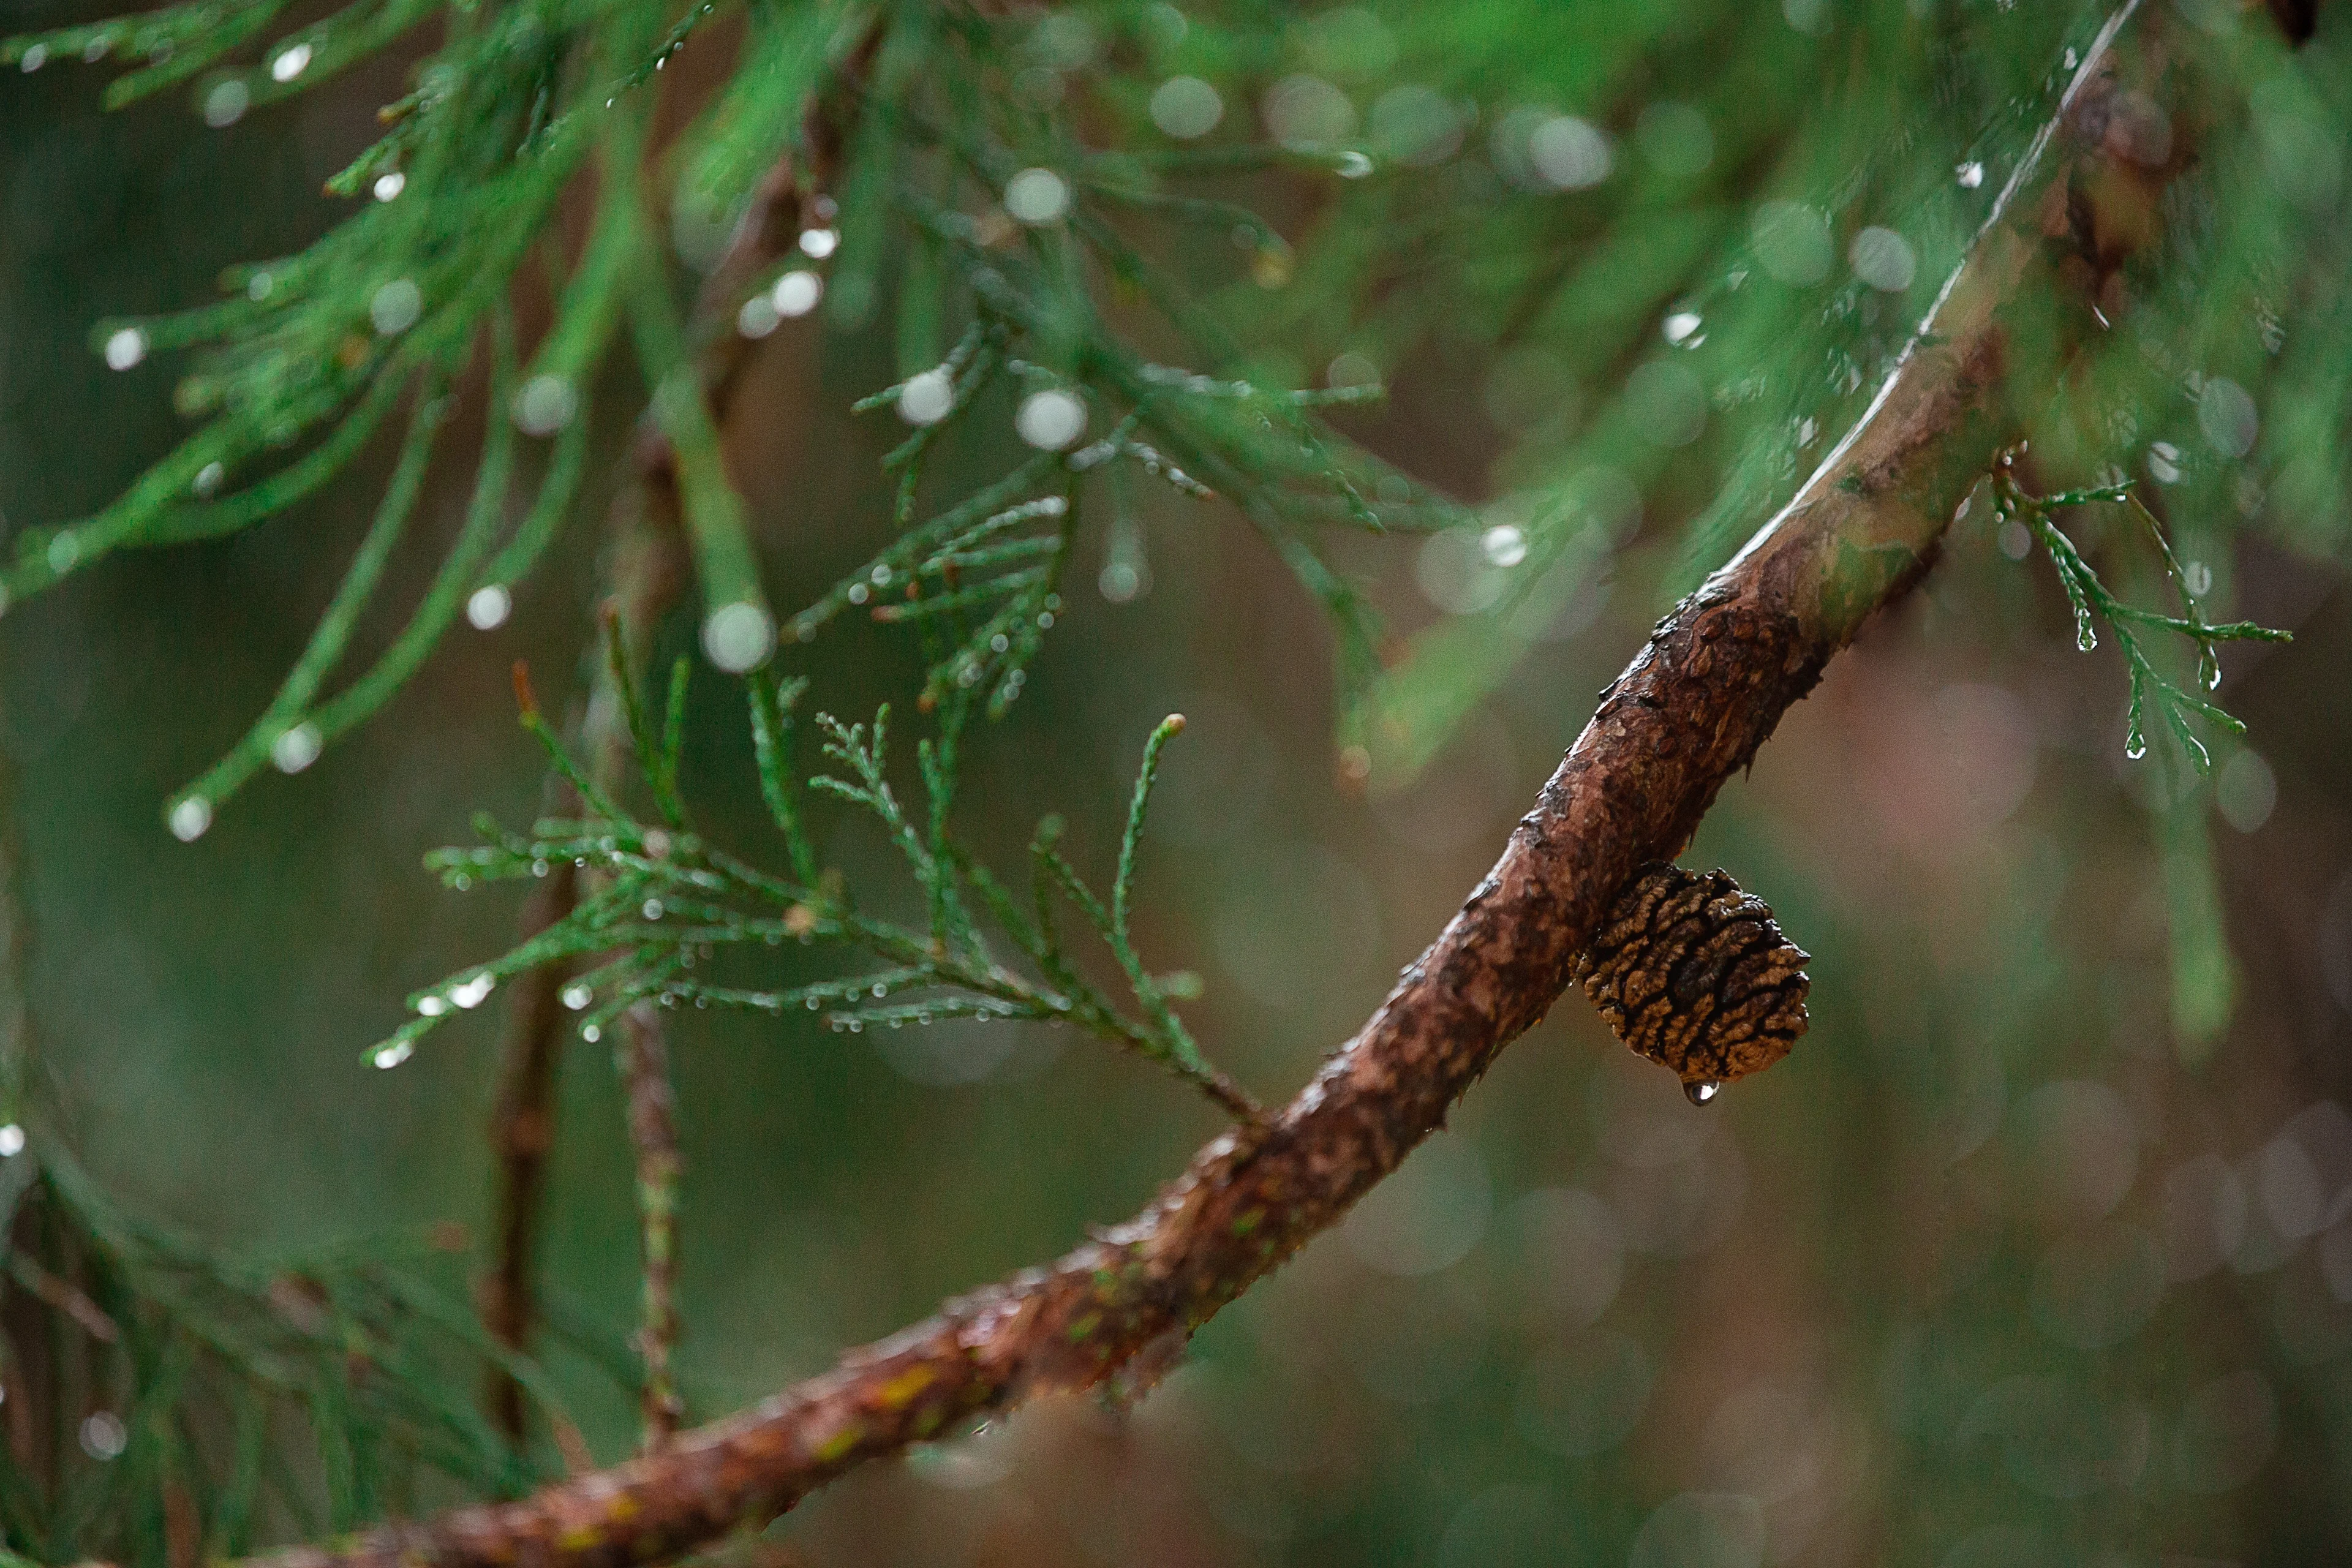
x,y
1689,710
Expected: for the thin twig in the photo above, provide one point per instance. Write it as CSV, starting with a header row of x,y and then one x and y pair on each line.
x,y
522,1130
648,571
29,1351
653,1130
63,1295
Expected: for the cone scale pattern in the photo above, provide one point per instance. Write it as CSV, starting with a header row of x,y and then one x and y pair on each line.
x,y
1694,974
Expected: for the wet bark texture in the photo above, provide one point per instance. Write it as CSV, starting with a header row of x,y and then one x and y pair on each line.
x,y
1690,710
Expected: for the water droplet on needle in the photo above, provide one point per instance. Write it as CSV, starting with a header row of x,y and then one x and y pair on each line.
x,y
190,817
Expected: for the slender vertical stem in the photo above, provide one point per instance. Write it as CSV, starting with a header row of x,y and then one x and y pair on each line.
x,y
648,569
653,1130
522,1129
27,1388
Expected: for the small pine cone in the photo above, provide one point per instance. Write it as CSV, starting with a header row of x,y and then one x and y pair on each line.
x,y
1695,975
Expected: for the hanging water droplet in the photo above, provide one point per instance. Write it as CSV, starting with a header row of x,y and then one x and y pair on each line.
x,y
926,399
545,405
431,1006
191,817
226,101
290,63
2136,745
578,995
2199,578
797,293
488,607
396,306
1505,545
12,1142
758,317
591,1033
392,1056
296,747
1701,1090
652,909
1970,174
739,637
104,1437
1037,197
469,994
389,186
1051,420
125,347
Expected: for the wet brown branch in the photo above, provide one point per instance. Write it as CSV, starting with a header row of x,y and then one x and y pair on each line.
x,y
1690,709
